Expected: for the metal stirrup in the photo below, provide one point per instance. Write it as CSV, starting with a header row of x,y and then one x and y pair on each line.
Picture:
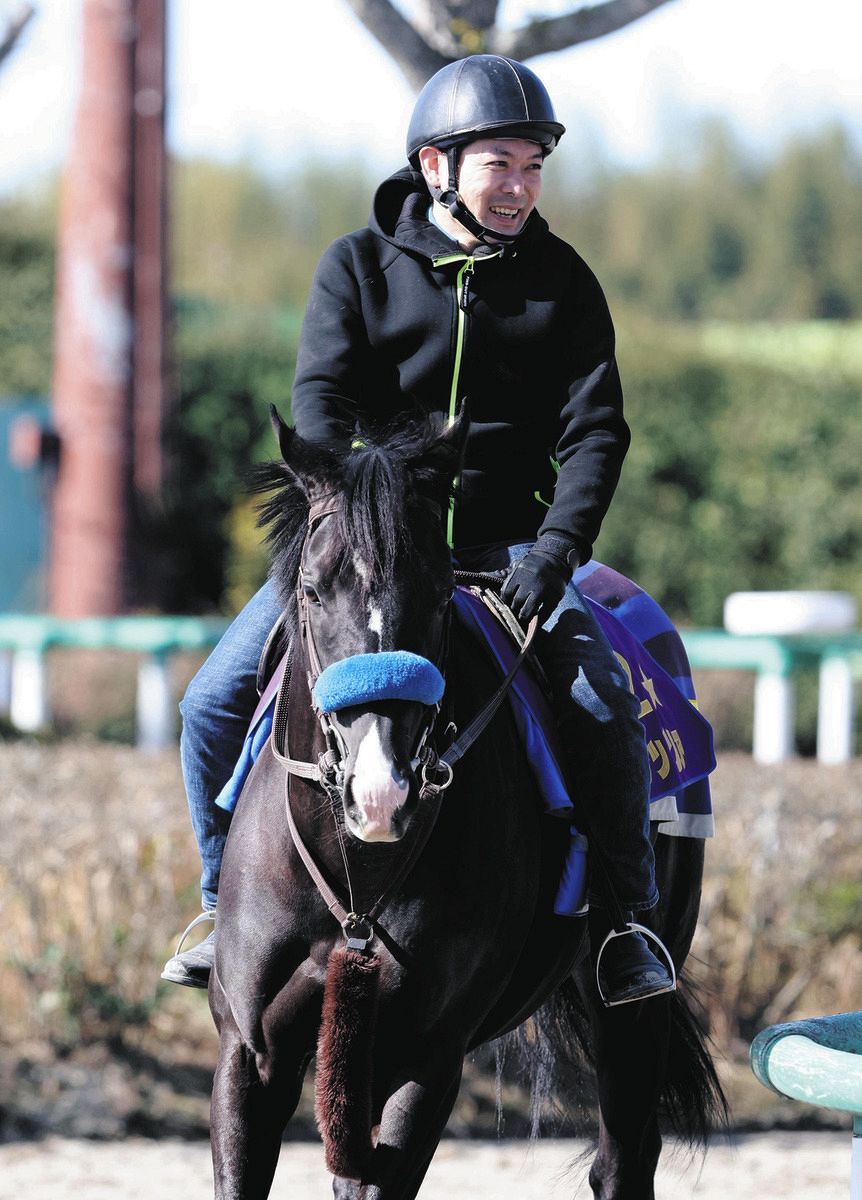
x,y
633,927
204,916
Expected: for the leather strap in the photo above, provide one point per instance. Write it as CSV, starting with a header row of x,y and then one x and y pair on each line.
x,y
426,818
480,722
323,506
329,897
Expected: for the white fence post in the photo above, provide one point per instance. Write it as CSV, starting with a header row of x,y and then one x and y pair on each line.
x,y
773,717
5,680
835,710
155,704
786,614
28,706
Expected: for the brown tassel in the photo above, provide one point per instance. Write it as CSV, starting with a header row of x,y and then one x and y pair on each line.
x,y
344,1064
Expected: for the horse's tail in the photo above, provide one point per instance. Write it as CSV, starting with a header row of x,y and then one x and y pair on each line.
x,y
558,1049
342,1103
692,1098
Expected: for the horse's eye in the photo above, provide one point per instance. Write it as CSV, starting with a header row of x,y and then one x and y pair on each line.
x,y
310,593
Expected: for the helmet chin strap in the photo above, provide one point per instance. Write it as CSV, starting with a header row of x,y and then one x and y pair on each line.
x,y
451,198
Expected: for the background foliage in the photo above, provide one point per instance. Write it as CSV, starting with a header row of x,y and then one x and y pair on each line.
x,y
743,472
737,292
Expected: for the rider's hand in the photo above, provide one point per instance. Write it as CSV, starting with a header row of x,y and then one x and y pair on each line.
x,y
536,584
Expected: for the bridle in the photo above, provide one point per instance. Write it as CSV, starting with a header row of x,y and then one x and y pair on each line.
x,y
437,771
329,769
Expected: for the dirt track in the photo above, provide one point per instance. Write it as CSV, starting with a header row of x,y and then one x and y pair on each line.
x,y
757,1167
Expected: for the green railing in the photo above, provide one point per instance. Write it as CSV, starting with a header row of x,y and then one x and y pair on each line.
x,y
149,635
25,639
774,660
818,1061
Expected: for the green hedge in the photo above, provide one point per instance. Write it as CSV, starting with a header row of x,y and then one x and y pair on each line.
x,y
744,472
231,364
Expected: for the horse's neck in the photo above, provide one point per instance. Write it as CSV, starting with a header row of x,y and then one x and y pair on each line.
x,y
471,677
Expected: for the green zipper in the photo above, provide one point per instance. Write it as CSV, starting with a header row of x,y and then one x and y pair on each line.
x,y
468,267
537,495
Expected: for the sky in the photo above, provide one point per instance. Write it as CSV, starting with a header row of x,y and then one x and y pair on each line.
x,y
272,81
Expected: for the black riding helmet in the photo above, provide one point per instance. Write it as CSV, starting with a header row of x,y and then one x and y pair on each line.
x,y
475,96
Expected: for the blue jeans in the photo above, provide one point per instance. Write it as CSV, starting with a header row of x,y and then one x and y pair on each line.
x,y
598,718
216,709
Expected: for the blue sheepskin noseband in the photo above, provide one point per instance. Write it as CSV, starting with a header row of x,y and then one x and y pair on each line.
x,y
387,675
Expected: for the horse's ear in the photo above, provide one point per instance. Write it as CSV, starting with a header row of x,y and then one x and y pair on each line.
x,y
310,465
284,435
440,461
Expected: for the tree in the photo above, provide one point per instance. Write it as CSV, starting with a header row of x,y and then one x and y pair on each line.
x,y
109,352
442,31
12,29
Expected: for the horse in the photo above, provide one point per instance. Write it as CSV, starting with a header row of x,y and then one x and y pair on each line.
x,y
443,880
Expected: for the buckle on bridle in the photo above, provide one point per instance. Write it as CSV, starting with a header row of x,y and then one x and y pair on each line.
x,y
328,764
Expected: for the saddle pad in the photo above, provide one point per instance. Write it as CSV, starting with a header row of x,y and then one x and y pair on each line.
x,y
679,739
686,812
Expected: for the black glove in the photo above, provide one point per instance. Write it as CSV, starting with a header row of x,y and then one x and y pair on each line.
x,y
536,584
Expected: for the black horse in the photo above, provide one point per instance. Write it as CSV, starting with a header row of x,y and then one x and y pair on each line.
x,y
467,946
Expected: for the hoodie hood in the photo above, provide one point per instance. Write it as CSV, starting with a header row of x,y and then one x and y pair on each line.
x,y
399,214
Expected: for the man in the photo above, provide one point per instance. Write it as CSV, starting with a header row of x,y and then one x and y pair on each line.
x,y
457,288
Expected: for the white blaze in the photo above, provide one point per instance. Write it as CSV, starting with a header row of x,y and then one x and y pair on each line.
x,y
375,622
378,790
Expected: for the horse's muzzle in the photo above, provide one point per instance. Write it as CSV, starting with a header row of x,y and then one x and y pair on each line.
x,y
374,825
378,816
376,791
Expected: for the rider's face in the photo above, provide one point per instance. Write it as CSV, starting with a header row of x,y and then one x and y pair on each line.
x,y
500,180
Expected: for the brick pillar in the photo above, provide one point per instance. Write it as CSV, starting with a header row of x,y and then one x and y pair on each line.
x,y
109,380
92,367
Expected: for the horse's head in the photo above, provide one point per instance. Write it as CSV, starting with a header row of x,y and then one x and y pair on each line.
x,y
372,595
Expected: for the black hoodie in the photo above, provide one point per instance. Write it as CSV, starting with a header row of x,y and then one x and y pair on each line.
x,y
400,320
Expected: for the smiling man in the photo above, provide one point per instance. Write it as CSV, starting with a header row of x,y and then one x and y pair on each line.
x,y
458,289
499,181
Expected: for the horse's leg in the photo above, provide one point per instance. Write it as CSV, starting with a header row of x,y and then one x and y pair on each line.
x,y
255,1095
631,1043
632,1040
413,1118
248,1118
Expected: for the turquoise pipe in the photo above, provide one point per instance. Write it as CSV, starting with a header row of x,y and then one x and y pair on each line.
x,y
818,1061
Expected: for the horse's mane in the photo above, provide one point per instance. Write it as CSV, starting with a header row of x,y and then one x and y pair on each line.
x,y
284,515
381,483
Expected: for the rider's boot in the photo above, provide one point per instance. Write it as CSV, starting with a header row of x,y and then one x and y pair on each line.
x,y
192,968
625,965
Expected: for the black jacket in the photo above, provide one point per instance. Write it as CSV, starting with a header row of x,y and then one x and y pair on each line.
x,y
388,309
